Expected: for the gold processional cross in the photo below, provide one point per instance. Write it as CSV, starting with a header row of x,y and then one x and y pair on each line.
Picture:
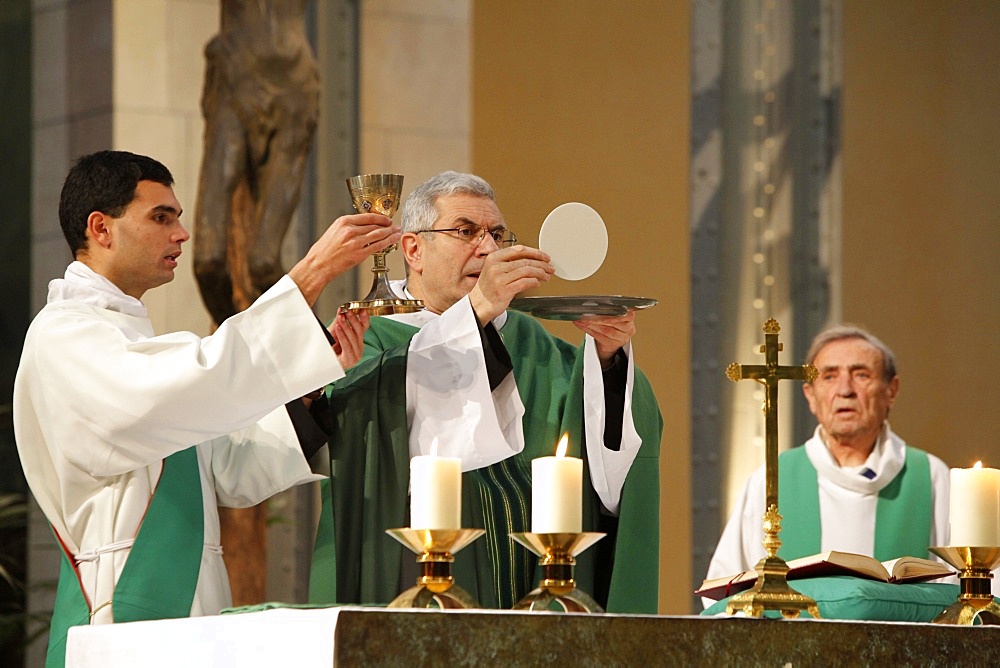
x,y
771,591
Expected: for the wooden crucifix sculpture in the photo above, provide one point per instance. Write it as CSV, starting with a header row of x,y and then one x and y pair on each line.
x,y
261,104
771,591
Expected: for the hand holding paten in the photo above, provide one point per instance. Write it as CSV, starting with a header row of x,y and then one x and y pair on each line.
x,y
610,333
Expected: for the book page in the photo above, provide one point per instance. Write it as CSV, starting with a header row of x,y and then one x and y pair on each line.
x,y
913,569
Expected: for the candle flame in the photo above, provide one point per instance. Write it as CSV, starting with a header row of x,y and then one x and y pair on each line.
x,y
978,465
563,444
434,447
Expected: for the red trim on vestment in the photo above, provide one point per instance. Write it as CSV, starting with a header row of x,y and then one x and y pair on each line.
x,y
76,570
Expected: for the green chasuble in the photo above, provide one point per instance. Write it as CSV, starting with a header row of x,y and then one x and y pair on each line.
x,y
903,516
357,562
161,572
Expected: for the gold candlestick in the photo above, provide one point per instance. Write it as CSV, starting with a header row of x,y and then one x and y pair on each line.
x,y
557,585
975,601
435,549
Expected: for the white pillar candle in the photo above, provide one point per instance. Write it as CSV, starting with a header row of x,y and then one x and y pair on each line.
x,y
974,507
435,491
557,492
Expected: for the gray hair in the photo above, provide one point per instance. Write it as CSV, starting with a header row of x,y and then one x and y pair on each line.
x,y
419,211
842,332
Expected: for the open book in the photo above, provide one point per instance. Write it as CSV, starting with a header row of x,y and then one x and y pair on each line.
x,y
903,569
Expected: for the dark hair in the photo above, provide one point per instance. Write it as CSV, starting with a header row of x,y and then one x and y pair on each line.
x,y
104,181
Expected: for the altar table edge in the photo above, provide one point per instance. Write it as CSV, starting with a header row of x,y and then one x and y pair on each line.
x,y
370,636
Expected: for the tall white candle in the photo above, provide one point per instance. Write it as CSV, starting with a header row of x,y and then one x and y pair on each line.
x,y
435,491
557,492
974,510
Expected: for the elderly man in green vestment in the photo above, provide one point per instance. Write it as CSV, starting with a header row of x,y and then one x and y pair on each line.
x,y
855,486
494,388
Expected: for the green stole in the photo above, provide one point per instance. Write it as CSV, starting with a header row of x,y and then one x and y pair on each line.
x,y
161,572
356,562
903,515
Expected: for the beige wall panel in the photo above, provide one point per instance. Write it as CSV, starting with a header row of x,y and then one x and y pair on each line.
x,y
921,242
157,112
588,101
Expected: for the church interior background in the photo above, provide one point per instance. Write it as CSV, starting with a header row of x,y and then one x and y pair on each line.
x,y
808,161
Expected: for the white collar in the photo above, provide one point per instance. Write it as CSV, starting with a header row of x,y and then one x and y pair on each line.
x,y
421,318
885,461
82,284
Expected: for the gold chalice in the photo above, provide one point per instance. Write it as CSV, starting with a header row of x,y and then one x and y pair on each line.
x,y
379,193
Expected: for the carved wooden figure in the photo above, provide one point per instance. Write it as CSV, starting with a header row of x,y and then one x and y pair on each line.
x,y
261,103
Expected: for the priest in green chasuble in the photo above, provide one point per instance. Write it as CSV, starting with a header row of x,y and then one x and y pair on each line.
x,y
855,486
494,388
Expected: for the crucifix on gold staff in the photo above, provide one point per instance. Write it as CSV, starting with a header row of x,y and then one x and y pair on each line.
x,y
771,591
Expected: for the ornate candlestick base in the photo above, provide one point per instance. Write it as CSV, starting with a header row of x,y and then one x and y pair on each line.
x,y
772,591
435,550
975,601
557,551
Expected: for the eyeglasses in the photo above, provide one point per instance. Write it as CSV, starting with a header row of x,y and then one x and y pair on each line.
x,y
474,234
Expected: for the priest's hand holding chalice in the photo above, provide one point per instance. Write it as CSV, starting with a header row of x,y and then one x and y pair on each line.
x,y
379,193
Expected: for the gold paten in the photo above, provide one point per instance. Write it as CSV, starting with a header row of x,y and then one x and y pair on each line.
x,y
379,193
435,549
975,604
557,552
771,591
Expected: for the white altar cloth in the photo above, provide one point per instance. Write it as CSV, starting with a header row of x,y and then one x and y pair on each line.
x,y
300,637
278,637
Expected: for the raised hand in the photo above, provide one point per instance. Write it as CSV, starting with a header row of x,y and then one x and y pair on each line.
x,y
610,333
347,242
507,272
